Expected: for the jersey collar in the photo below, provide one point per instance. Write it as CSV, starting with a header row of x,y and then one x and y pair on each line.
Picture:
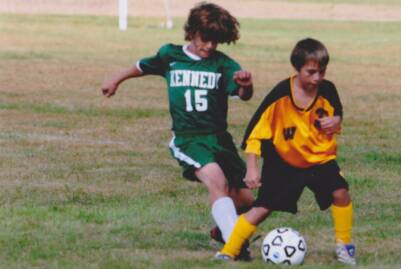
x,y
292,96
190,54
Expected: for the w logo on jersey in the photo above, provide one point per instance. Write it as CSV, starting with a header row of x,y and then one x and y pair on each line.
x,y
289,133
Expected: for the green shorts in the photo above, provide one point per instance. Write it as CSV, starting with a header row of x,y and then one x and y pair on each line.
x,y
195,151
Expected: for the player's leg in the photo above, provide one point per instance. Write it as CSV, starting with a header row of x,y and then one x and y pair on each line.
x,y
331,189
234,169
213,178
342,218
257,215
243,199
280,190
243,230
342,215
196,155
223,208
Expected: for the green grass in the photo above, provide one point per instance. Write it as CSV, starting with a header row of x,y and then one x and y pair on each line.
x,y
51,109
88,182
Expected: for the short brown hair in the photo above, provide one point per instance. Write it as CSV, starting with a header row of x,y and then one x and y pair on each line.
x,y
213,23
309,49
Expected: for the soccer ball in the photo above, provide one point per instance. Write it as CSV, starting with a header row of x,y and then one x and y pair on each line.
x,y
284,246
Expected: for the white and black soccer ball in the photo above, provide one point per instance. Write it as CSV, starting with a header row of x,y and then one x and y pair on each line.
x,y
284,246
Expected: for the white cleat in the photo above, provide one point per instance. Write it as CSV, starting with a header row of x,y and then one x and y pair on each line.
x,y
223,257
346,253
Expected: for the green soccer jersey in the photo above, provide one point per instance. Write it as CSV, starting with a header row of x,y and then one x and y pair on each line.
x,y
198,88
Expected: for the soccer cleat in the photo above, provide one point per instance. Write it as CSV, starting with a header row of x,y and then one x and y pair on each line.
x,y
245,253
346,253
223,257
216,235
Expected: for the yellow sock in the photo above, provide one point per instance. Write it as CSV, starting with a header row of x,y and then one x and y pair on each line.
x,y
342,218
243,230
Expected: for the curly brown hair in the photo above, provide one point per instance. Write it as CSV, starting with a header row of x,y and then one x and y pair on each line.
x,y
213,23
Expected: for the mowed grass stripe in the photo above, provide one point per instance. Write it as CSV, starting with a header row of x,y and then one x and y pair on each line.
x,y
123,113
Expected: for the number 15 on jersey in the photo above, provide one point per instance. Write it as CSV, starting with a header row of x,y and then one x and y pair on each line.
x,y
199,100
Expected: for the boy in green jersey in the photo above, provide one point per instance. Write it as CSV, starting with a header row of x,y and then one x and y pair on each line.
x,y
199,80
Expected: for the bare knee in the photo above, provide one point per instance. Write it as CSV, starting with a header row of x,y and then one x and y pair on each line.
x,y
257,214
213,178
341,197
243,199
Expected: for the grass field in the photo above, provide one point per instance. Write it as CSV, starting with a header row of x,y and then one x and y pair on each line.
x,y
88,182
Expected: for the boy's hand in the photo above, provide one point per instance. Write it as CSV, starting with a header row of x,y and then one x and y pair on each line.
x,y
330,125
252,178
109,88
243,78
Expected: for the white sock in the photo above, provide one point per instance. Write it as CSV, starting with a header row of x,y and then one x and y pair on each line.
x,y
225,215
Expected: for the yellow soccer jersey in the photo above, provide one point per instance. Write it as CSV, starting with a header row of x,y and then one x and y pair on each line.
x,y
294,132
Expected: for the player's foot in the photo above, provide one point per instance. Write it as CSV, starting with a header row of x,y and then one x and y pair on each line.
x,y
245,254
346,253
223,257
216,235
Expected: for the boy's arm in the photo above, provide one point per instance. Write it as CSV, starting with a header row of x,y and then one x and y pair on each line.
x,y
244,80
110,86
252,177
332,124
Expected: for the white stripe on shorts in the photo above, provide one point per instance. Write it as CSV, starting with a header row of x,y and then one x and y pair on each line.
x,y
181,156
138,66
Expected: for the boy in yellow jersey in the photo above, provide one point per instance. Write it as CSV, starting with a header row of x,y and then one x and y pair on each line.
x,y
294,131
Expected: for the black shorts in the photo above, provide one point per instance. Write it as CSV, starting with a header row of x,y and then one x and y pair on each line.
x,y
282,184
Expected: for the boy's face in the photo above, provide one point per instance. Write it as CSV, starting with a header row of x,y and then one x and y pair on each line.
x,y
310,75
202,48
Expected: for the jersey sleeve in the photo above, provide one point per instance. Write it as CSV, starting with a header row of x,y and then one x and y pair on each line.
x,y
331,94
260,128
338,107
228,83
156,64
260,131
